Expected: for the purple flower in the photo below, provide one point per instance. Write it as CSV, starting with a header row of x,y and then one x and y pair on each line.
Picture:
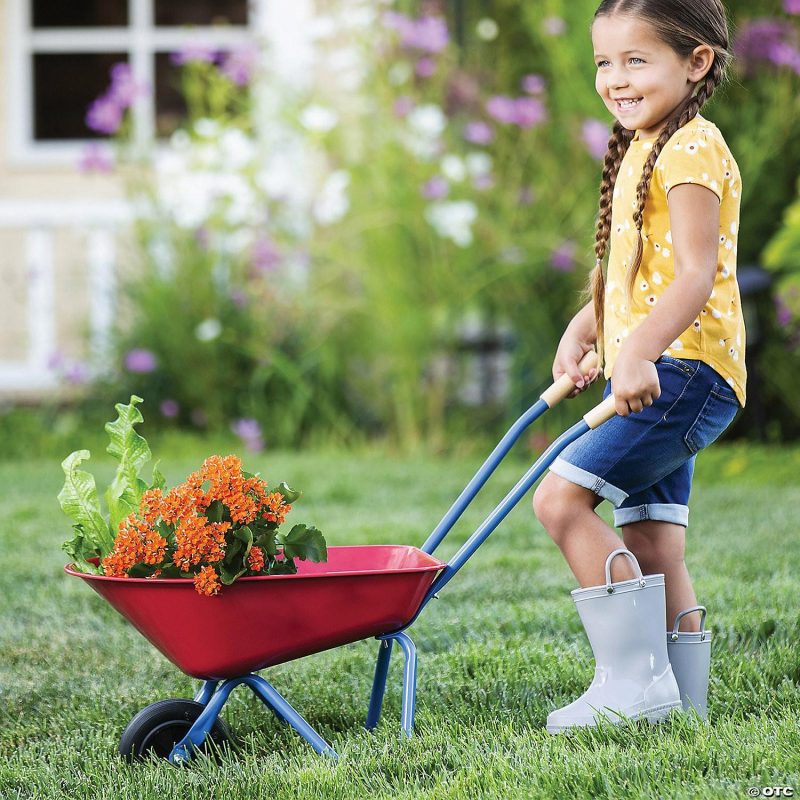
x,y
238,298
478,132
483,182
94,158
428,33
265,255
194,51
595,137
554,26
523,111
140,360
249,431
77,373
765,40
782,311
425,67
240,65
501,108
533,84
562,258
169,408
124,89
403,106
528,112
436,188
791,6
104,115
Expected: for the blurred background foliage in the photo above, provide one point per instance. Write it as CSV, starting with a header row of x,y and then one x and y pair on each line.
x,y
393,250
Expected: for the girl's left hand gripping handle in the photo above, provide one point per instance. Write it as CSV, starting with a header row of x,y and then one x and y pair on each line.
x,y
565,385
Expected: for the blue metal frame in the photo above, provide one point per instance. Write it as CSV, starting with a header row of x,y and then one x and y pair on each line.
x,y
214,694
463,555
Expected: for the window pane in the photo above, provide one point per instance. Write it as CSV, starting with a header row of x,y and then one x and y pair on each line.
x,y
170,108
59,105
200,12
79,13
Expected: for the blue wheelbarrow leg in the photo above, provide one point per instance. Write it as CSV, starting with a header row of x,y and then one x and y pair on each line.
x,y
379,683
409,701
196,735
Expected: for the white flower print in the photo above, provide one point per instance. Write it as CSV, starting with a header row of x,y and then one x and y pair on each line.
x,y
696,324
733,228
725,272
722,238
668,236
651,300
677,345
691,148
644,286
729,245
657,279
665,252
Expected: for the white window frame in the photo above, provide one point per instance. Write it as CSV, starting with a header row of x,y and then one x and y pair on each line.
x,y
140,39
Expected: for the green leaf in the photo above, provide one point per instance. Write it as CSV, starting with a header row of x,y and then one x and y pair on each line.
x,y
159,481
234,551
132,452
142,570
215,511
77,549
78,499
245,535
229,574
304,542
266,541
284,567
289,494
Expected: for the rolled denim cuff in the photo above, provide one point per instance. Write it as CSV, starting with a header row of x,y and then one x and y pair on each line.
x,y
660,512
589,481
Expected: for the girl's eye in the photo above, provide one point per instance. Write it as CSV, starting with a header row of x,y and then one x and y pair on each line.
x,y
632,58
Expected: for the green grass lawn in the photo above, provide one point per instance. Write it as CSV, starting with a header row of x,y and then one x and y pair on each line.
x,y
502,648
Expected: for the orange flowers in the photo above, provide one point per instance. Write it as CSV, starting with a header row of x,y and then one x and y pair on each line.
x,y
217,525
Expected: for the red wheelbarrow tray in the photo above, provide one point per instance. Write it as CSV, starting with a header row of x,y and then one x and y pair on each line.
x,y
257,622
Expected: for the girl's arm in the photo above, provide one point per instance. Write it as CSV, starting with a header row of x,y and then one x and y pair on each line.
x,y
694,222
578,339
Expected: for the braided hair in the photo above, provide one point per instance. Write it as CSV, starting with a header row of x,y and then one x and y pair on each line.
x,y
683,25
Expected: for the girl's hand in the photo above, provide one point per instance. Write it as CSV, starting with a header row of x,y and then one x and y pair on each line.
x,y
570,351
634,383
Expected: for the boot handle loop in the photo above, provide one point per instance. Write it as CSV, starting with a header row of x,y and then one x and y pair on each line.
x,y
682,614
627,553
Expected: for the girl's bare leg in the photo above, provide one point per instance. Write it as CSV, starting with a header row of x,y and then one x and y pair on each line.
x,y
659,547
567,512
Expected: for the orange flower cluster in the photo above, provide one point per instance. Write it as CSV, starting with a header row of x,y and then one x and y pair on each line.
x,y
136,542
207,581
255,559
198,541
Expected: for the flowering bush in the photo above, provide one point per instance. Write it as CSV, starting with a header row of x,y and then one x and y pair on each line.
x,y
219,524
312,261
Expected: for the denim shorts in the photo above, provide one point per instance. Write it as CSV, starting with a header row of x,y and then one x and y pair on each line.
x,y
643,463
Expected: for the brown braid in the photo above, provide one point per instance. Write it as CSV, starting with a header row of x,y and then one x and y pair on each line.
x,y
683,26
617,147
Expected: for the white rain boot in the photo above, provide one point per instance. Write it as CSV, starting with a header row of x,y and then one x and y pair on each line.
x,y
633,679
690,656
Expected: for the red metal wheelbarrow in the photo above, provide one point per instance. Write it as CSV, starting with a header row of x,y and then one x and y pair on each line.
x,y
360,592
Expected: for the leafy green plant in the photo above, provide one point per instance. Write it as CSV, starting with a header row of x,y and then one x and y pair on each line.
x,y
218,525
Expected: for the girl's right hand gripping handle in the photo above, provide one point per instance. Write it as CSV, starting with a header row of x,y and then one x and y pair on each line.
x,y
563,387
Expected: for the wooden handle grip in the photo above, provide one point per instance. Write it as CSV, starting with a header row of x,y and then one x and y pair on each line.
x,y
564,385
600,413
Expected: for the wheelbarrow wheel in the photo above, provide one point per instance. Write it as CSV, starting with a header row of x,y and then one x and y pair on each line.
x,y
157,728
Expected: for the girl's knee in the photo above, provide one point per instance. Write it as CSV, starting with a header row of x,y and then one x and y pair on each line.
x,y
555,502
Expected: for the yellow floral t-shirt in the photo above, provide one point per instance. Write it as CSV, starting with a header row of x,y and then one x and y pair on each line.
x,y
696,153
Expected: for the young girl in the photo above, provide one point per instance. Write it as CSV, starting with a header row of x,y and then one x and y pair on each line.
x,y
667,324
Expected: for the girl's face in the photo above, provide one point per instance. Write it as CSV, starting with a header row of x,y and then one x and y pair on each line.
x,y
632,64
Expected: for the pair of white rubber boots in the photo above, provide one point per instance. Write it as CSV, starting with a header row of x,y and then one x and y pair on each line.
x,y
640,673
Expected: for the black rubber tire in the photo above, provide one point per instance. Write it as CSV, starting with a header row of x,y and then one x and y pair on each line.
x,y
157,728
